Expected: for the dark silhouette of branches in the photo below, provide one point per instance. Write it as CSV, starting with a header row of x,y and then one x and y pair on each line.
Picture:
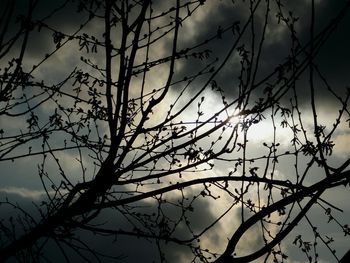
x,y
135,116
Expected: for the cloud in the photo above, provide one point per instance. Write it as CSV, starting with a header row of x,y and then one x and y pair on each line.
x,y
206,22
23,192
341,147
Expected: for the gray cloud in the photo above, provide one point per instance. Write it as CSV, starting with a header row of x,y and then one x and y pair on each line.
x,y
123,247
332,59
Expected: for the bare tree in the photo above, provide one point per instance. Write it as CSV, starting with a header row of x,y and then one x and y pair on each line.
x,y
140,126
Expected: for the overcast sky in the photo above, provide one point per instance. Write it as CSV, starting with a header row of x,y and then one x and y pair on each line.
x,y
19,177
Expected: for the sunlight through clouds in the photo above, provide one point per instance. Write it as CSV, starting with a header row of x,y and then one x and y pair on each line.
x,y
159,128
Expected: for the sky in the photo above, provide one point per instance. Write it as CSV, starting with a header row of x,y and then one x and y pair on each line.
x,y
20,181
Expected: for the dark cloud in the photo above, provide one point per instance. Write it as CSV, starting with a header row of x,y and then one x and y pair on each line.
x,y
332,59
25,175
123,247
57,15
